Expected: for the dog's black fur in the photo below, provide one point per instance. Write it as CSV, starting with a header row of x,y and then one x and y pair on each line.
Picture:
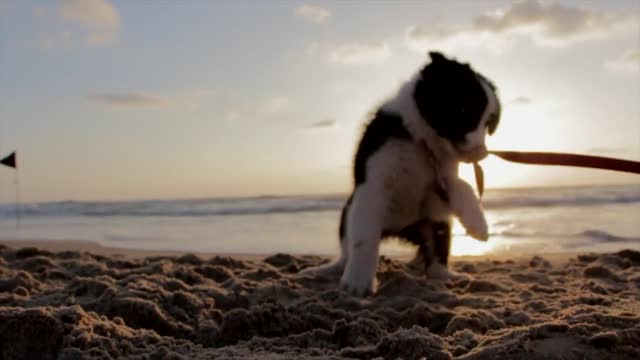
x,y
406,182
451,100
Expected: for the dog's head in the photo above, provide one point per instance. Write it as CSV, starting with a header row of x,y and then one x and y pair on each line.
x,y
459,104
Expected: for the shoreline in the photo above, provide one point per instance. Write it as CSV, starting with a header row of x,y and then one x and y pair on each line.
x,y
95,247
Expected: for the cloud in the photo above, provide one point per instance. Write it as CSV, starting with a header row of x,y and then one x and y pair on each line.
x,y
274,104
98,38
194,98
131,99
629,61
322,124
312,13
232,115
89,22
520,100
92,13
351,53
547,23
186,100
361,54
249,108
46,40
100,17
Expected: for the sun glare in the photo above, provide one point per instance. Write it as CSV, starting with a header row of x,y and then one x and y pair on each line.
x,y
497,173
522,128
463,245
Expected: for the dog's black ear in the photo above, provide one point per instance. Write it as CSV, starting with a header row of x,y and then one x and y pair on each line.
x,y
437,57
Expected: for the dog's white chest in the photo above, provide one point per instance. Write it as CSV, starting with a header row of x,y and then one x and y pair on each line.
x,y
409,184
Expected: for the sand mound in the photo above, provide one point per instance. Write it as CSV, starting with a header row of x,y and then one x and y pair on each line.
x,y
72,305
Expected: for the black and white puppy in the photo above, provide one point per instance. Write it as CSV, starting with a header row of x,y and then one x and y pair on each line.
x,y
406,171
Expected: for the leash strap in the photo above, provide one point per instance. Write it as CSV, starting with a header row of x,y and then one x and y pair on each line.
x,y
479,173
547,158
587,161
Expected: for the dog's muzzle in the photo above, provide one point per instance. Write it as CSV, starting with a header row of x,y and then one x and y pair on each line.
x,y
474,154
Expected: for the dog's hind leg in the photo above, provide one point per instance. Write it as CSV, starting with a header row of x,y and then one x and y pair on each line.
x,y
433,238
441,249
336,266
419,234
440,243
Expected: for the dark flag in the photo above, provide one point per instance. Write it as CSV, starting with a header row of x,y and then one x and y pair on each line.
x,y
10,160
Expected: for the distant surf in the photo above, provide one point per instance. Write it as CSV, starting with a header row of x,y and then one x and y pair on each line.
x,y
494,199
520,221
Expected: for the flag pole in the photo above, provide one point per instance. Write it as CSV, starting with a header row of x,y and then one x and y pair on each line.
x,y
17,199
10,161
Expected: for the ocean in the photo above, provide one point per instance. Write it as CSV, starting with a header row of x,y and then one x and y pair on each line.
x,y
521,221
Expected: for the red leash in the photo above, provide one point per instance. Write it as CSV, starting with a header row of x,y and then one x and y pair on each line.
x,y
547,158
588,161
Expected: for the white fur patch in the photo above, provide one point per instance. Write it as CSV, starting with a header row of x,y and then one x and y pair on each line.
x,y
465,205
398,191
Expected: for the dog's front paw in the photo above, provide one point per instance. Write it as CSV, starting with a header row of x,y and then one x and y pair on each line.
x,y
358,284
476,226
473,220
466,206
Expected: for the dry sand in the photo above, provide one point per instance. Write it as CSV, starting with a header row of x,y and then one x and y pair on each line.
x,y
57,304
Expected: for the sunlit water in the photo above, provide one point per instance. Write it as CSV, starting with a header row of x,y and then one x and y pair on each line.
x,y
521,221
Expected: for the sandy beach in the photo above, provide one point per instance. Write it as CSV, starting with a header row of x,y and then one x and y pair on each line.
x,y
63,302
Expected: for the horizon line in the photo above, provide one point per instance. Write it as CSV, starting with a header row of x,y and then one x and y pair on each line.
x,y
302,195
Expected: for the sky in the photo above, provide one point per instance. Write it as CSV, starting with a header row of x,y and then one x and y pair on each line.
x,y
107,100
